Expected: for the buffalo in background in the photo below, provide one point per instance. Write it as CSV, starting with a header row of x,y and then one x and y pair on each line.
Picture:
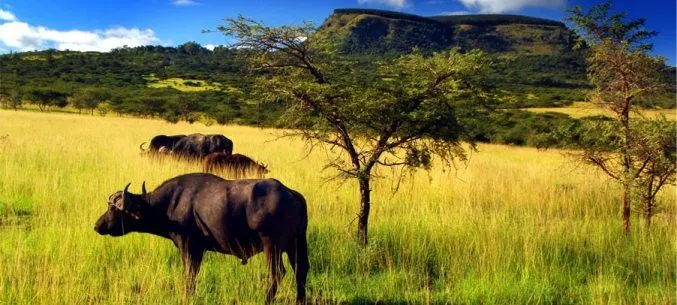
x,y
194,146
202,212
198,145
161,141
238,164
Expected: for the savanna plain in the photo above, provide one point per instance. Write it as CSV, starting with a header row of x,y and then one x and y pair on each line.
x,y
511,226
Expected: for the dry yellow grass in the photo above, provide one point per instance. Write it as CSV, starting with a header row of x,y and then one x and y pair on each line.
x,y
513,226
186,85
582,109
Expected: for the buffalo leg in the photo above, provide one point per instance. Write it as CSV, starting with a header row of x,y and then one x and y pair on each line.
x,y
192,260
194,269
298,258
274,259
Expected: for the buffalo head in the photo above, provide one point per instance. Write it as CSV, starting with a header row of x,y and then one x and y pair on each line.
x,y
124,213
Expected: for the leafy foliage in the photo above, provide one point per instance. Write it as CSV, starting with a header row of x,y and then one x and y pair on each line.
x,y
47,97
11,99
123,76
90,98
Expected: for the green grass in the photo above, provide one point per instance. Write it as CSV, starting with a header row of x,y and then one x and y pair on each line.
x,y
514,226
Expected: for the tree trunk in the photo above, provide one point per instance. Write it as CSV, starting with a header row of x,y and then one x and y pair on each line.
x,y
626,209
649,204
627,165
363,217
649,212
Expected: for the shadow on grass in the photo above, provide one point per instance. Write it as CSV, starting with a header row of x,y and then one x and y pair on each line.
x,y
15,218
368,301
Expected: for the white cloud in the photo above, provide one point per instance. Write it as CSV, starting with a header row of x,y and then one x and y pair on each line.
x,y
23,36
210,47
7,15
184,2
500,6
398,4
456,13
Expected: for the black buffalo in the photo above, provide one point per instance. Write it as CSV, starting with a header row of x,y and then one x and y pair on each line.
x,y
161,141
198,145
202,212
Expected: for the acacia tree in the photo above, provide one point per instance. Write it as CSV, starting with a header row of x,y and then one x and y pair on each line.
x,y
46,97
395,113
621,71
90,98
11,98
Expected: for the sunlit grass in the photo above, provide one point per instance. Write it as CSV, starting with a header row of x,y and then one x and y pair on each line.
x,y
582,109
514,226
186,85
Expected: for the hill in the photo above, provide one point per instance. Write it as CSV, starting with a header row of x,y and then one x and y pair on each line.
x,y
359,31
188,82
537,60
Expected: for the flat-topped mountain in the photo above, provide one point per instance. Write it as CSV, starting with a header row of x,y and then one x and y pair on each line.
x,y
358,31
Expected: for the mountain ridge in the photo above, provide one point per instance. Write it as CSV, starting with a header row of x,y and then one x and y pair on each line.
x,y
454,19
356,31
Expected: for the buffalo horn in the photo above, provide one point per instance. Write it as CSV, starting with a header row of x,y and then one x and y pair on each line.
x,y
143,188
125,198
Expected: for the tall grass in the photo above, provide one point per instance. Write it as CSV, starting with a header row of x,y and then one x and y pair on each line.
x,y
582,109
514,226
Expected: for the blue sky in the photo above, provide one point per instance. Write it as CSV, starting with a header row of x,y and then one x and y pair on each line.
x,y
102,25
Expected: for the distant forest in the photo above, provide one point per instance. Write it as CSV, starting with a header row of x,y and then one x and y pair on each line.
x,y
130,81
121,81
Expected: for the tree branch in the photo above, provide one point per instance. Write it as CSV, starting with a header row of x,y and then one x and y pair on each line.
x,y
602,164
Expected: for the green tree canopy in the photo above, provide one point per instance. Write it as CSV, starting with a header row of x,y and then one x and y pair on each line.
x,y
90,98
400,112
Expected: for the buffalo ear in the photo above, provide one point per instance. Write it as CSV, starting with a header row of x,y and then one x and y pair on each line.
x,y
143,188
112,197
120,204
125,200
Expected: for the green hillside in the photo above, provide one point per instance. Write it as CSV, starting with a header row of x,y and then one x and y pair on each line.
x,y
535,65
536,59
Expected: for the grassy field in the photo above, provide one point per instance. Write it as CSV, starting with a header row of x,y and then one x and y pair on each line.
x,y
514,226
186,85
581,109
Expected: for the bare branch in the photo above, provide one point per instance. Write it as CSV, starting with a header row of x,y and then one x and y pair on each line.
x,y
602,164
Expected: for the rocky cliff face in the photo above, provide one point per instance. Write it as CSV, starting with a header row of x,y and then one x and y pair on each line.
x,y
358,31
